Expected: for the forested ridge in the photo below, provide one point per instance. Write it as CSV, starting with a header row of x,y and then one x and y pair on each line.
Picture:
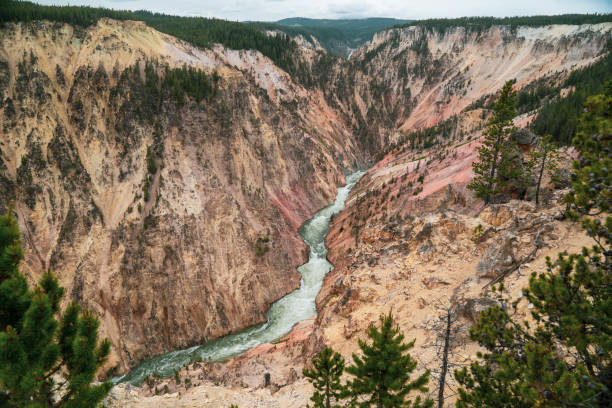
x,y
479,24
204,32
559,116
337,36
200,31
329,37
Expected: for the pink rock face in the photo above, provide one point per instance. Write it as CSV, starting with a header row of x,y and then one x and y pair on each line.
x,y
294,205
400,175
456,170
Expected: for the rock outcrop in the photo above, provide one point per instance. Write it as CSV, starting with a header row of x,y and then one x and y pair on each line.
x,y
498,258
430,264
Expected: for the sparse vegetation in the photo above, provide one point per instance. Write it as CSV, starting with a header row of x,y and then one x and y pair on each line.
x,y
543,157
495,168
477,233
563,359
380,376
325,376
261,246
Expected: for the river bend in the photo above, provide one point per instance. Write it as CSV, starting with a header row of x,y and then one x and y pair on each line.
x,y
283,314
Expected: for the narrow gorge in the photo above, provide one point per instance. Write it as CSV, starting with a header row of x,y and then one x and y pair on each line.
x,y
282,315
228,213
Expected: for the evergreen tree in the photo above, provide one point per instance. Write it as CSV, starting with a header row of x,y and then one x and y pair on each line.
x,y
543,157
480,24
382,374
328,367
494,167
565,360
34,346
559,116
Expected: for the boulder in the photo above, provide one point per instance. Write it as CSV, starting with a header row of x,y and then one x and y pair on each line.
x,y
472,308
498,257
523,137
496,215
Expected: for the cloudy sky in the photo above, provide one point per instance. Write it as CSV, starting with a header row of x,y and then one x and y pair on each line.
x,y
271,10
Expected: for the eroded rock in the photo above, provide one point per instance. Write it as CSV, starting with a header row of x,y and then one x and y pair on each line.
x,y
498,257
472,308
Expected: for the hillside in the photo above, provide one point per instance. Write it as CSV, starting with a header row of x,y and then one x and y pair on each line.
x,y
411,78
165,180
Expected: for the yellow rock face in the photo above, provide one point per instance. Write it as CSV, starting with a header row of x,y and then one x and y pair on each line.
x,y
182,266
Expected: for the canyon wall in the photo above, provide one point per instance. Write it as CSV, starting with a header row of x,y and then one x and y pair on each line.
x,y
175,223
411,78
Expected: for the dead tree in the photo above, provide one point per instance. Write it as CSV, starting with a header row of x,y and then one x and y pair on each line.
x,y
445,350
447,344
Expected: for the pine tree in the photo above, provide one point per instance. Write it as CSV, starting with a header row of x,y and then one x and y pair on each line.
x,y
494,167
34,346
382,374
565,360
328,367
543,157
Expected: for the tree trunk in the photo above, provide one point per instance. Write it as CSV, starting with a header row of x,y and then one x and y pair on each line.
x,y
493,167
537,195
444,361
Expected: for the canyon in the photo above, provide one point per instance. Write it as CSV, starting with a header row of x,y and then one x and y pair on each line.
x,y
216,242
196,240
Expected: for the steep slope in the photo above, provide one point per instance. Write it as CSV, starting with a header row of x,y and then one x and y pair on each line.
x,y
414,77
175,223
419,263
175,219
409,240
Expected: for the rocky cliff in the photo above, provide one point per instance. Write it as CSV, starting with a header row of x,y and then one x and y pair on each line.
x,y
421,264
414,77
173,215
412,239
174,221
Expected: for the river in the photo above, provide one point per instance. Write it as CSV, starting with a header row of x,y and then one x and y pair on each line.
x,y
283,314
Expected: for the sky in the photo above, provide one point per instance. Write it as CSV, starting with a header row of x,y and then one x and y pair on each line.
x,y
272,10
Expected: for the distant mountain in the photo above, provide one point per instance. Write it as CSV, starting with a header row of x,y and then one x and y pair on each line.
x,y
338,36
332,39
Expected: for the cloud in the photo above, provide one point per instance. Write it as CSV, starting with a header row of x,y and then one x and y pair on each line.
x,y
271,10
